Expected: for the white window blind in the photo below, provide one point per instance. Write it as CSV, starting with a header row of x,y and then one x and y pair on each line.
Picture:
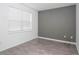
x,y
19,20
27,21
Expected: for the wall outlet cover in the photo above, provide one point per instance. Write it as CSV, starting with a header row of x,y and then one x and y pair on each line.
x,y
64,36
71,37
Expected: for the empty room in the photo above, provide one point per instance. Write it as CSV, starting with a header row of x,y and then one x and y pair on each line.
x,y
39,28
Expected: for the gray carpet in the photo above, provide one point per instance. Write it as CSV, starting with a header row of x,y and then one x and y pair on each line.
x,y
41,47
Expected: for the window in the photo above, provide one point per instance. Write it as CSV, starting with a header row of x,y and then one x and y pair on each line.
x,y
19,20
27,21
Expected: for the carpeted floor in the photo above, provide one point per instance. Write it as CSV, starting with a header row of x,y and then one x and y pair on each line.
x,y
41,47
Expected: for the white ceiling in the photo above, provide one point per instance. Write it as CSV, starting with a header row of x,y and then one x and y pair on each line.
x,y
45,6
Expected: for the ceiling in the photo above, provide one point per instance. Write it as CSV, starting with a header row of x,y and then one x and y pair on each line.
x,y
45,6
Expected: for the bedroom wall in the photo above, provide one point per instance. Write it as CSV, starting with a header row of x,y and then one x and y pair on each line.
x,y
11,39
77,26
3,25
55,23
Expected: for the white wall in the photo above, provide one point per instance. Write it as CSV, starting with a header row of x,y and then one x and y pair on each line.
x,y
8,40
3,25
77,26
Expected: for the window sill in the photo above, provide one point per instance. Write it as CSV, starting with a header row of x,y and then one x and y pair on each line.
x,y
19,31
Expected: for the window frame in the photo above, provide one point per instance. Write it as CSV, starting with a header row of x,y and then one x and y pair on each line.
x,y
21,21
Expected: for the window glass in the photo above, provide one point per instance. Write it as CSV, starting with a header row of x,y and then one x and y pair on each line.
x,y
19,20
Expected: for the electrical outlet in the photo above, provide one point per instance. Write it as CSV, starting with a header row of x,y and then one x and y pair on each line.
x,y
64,36
71,37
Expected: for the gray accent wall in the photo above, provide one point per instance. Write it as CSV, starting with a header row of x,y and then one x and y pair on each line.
x,y
55,23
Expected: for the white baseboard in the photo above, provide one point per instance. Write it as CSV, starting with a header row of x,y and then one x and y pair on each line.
x,y
57,40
